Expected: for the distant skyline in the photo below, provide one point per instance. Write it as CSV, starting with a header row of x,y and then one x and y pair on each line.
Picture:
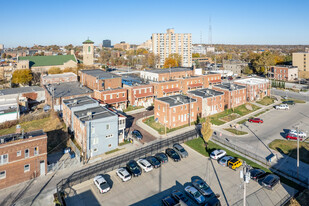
x,y
277,22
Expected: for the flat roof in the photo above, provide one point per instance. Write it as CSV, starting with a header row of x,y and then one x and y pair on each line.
x,y
94,113
68,74
176,69
18,136
176,100
66,89
20,90
79,101
205,93
100,74
252,81
286,66
230,86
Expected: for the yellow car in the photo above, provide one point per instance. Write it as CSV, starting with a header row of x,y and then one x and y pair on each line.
x,y
234,163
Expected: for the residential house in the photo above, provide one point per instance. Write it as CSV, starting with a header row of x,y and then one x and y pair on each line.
x,y
257,88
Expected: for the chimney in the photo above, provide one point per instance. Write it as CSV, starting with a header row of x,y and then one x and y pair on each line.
x,y
18,129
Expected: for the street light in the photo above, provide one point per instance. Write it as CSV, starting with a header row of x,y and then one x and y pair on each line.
x,y
245,176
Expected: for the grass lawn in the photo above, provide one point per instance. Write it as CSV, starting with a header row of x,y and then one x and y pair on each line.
x,y
290,148
124,142
266,101
242,121
159,127
114,150
230,117
258,114
295,100
131,108
241,110
198,145
235,131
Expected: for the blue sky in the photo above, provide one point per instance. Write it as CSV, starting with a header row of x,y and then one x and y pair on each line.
x,y
63,22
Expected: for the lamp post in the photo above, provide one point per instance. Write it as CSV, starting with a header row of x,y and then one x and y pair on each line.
x,y
245,176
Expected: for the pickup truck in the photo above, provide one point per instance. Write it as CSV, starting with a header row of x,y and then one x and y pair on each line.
x,y
282,106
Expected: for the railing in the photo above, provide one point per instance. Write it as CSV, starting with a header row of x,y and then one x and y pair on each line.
x,y
120,161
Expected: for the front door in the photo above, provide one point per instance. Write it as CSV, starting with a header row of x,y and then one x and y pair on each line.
x,y
42,168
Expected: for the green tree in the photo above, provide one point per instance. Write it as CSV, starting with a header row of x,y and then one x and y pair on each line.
x,y
4,55
9,56
247,70
54,70
206,131
22,76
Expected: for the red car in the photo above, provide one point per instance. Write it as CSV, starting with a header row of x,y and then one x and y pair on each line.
x,y
256,120
292,136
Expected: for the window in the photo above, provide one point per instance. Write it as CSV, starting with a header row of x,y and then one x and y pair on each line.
x,y
26,153
27,168
107,127
2,174
173,119
159,107
18,153
117,95
163,109
4,159
36,151
174,110
109,136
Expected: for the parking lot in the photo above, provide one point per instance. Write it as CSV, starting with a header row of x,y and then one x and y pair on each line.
x,y
150,188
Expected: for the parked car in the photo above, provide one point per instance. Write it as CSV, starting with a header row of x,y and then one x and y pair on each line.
x,y
223,161
290,102
234,163
137,134
270,181
123,174
172,154
66,150
255,120
217,154
161,157
168,201
154,161
145,165
180,150
177,195
133,168
282,107
150,108
202,187
300,133
213,202
292,136
257,174
101,184
195,194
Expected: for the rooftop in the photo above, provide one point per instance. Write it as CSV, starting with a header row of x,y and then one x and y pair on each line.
x,y
205,93
20,90
100,74
252,81
94,113
88,41
286,66
68,74
18,136
230,86
67,89
79,101
38,61
177,100
177,69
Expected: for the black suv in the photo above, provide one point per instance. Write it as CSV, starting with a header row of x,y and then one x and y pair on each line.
x,y
172,154
290,102
133,168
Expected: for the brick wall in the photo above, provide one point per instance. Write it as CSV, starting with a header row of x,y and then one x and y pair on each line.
x,y
233,98
96,84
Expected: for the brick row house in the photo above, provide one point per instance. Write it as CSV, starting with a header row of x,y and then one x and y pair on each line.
x,y
159,75
140,94
234,94
256,88
284,73
117,97
175,111
22,157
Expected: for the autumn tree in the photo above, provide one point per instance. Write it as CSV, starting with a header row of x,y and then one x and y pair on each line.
x,y
206,131
22,76
4,55
54,70
262,62
173,60
196,55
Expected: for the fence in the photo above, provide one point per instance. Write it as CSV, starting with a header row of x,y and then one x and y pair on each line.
x,y
68,162
120,161
75,149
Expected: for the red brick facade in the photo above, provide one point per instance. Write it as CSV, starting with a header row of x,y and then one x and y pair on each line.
x,y
15,171
100,84
140,95
233,98
115,97
210,105
58,78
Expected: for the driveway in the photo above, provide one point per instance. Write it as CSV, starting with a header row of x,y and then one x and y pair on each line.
x,y
131,125
150,188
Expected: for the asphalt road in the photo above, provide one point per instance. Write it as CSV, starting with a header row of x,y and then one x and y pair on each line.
x,y
294,95
131,125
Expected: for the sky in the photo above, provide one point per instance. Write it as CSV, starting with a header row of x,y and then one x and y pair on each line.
x,y
63,22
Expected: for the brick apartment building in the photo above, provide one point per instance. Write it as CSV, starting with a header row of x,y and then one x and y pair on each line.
x,y
96,130
234,94
209,101
56,93
22,157
140,94
167,88
69,106
257,88
174,111
166,74
285,73
98,79
58,78
117,97
213,79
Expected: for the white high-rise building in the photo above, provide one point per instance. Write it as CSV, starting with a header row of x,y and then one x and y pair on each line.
x,y
164,44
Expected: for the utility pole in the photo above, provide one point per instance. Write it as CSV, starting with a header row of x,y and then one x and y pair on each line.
x,y
190,111
245,176
297,130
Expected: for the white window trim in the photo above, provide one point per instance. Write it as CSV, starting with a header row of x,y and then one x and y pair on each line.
x,y
27,170
4,174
